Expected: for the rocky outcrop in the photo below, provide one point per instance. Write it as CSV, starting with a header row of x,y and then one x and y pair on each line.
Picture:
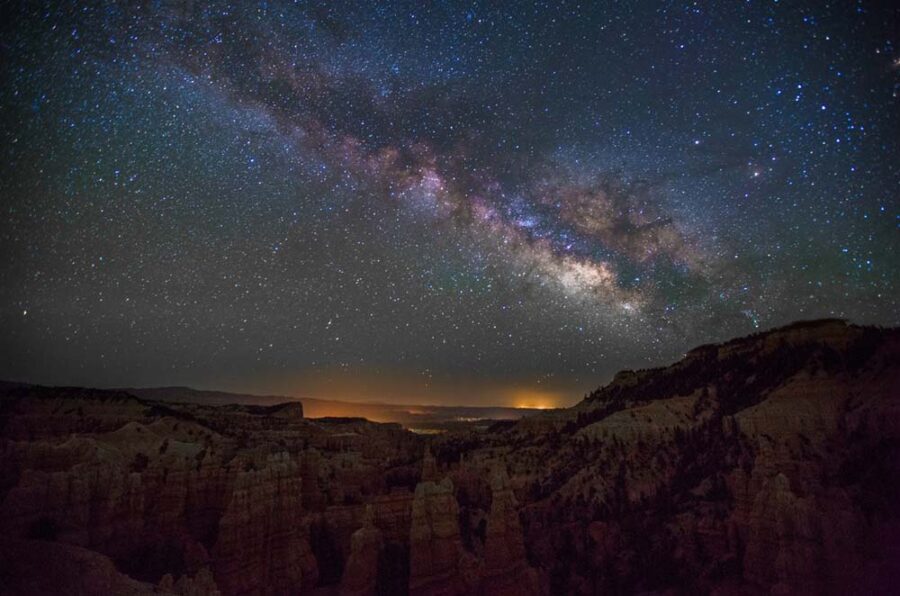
x,y
393,515
361,571
764,464
175,495
767,464
785,539
201,584
438,564
313,499
261,541
429,467
506,570
42,568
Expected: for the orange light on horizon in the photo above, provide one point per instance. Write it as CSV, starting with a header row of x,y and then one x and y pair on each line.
x,y
363,392
535,399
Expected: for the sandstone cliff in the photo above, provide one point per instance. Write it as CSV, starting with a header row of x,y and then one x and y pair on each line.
x,y
438,563
361,572
767,463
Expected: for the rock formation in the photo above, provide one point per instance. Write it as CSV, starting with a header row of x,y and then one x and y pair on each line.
x,y
361,571
762,464
201,584
261,539
506,570
43,568
313,499
767,464
438,564
181,498
429,467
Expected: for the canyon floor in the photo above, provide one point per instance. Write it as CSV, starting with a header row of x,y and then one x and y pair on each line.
x,y
769,464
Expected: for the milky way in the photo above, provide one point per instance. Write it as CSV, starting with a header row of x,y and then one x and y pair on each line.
x,y
445,201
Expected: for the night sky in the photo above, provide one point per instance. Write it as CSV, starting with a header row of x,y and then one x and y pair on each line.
x,y
436,202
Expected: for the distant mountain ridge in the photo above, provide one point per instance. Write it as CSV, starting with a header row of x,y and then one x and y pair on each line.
x,y
410,415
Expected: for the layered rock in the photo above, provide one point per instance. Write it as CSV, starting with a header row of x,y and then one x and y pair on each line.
x,y
438,564
429,467
506,570
201,584
765,464
361,571
261,542
393,515
174,495
313,500
762,464
42,568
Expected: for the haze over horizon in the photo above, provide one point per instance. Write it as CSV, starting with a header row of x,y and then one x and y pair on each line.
x,y
360,388
453,203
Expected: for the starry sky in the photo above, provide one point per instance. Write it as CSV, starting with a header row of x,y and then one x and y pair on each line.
x,y
436,202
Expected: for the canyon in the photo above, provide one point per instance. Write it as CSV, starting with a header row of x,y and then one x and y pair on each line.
x,y
768,464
